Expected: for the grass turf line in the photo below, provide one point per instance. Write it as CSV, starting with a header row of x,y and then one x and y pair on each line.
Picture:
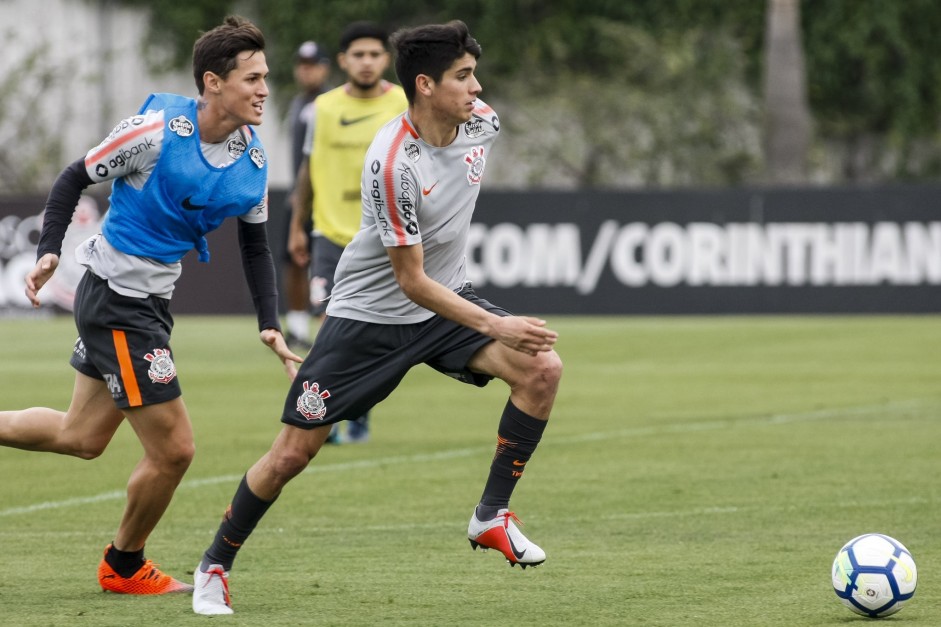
x,y
696,470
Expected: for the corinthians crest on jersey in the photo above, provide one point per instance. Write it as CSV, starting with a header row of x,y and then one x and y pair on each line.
x,y
310,403
475,165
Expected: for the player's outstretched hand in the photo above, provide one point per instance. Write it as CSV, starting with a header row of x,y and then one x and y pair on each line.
x,y
37,277
273,339
525,334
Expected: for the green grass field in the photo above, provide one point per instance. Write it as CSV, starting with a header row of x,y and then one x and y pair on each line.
x,y
696,471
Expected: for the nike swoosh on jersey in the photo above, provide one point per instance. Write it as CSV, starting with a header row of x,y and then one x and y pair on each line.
x,y
347,121
190,206
427,190
517,462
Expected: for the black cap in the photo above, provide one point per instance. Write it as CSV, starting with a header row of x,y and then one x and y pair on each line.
x,y
311,52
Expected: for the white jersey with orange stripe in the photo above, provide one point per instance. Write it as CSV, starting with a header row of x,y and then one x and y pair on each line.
x,y
413,193
131,152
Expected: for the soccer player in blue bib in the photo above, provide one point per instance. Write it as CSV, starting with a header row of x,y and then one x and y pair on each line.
x,y
401,299
179,167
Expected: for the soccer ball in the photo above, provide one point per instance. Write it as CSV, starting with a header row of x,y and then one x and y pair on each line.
x,y
874,575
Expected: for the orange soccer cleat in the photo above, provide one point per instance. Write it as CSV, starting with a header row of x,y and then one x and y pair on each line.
x,y
147,580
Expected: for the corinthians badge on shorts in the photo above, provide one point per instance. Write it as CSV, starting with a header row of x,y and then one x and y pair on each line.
x,y
161,369
310,404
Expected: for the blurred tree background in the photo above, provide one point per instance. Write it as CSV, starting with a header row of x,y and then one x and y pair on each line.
x,y
659,93
27,148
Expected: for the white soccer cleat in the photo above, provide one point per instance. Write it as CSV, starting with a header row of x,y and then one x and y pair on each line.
x,y
502,534
211,591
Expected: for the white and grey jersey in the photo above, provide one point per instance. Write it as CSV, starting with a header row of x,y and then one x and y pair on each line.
x,y
412,193
131,152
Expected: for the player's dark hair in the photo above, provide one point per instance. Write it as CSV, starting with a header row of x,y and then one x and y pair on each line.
x,y
217,50
430,50
362,30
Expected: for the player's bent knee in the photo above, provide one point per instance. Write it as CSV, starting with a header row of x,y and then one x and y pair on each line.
x,y
288,463
539,375
175,461
545,373
183,456
553,366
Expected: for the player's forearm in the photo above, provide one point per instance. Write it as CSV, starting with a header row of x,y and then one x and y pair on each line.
x,y
302,198
258,265
60,206
300,209
435,297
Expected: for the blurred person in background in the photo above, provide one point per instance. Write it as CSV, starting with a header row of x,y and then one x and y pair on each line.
x,y
311,72
343,124
179,167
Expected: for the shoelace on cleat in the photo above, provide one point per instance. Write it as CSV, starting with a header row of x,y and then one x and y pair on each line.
x,y
506,520
149,571
218,572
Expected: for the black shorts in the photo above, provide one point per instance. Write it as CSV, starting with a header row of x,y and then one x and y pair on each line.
x,y
125,342
325,257
354,365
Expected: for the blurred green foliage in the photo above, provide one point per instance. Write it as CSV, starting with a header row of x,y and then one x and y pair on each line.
x,y
873,66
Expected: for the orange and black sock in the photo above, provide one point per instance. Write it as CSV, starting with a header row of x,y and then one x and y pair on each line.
x,y
237,524
517,438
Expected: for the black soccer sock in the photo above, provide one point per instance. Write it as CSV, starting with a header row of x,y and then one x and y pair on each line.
x,y
238,523
124,563
517,438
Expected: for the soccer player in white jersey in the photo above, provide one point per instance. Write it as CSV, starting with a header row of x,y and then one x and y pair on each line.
x,y
401,299
179,168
